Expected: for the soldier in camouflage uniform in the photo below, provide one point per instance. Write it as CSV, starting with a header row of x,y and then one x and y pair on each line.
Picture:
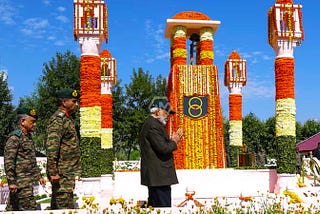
x,y
63,150
20,163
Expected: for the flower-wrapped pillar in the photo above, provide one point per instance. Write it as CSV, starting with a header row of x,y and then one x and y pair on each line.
x,y
90,29
108,79
285,32
193,91
235,77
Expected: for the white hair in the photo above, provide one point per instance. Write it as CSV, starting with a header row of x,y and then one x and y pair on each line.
x,y
154,109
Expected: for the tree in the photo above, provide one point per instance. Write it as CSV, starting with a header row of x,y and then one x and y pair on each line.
x,y
309,128
7,113
253,132
61,72
139,93
269,144
119,117
160,86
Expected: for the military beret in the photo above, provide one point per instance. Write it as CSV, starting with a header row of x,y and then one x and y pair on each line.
x,y
68,93
161,103
28,111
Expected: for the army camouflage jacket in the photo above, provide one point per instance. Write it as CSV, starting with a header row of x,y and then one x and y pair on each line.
x,y
62,146
20,161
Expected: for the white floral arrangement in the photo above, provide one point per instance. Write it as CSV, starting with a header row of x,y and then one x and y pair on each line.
x,y
271,163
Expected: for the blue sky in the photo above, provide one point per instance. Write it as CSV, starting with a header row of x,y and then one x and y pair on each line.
x,y
33,31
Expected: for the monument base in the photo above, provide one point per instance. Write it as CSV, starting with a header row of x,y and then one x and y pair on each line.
x,y
207,183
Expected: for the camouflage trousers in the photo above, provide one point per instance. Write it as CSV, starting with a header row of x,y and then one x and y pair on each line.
x,y
62,193
23,199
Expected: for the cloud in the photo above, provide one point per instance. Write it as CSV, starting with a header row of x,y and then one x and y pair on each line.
x,y
7,13
158,57
155,34
155,38
63,19
46,2
35,27
258,89
61,9
59,43
51,38
36,23
255,56
254,89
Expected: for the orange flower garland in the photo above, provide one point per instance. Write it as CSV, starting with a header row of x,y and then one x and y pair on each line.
x,y
178,48
202,145
235,106
90,81
106,110
284,75
206,46
235,77
106,121
285,103
220,155
284,33
90,110
284,2
191,15
235,119
284,12
108,77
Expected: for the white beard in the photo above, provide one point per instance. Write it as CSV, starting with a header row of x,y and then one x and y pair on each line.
x,y
163,120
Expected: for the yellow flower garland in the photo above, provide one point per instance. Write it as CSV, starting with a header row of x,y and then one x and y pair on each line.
x,y
90,121
235,132
285,117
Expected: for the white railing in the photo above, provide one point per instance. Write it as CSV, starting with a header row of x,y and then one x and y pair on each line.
x,y
121,166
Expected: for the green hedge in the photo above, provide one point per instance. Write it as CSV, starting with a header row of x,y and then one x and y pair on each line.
x,y
286,154
234,151
95,161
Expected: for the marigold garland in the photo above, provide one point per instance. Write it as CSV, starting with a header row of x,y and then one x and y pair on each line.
x,y
235,107
179,52
105,54
106,110
90,80
284,2
179,42
179,31
178,47
235,74
90,110
191,15
284,33
235,78
220,154
284,77
206,46
201,143
206,34
106,104
235,132
285,117
106,138
90,121
206,55
285,103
